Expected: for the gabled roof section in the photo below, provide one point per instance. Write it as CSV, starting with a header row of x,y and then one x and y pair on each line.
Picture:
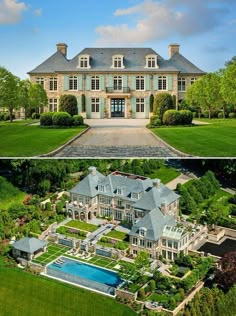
x,y
88,186
184,65
29,245
155,197
57,62
154,222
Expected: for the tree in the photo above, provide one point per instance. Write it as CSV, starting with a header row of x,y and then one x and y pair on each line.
x,y
9,91
142,260
162,103
68,103
24,100
226,271
228,84
151,101
37,97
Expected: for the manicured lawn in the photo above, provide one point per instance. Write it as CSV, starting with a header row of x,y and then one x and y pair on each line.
x,y
9,194
21,140
165,174
117,235
214,140
82,225
53,252
30,295
103,262
160,298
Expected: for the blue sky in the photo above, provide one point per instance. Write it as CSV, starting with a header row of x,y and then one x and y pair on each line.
x,y
30,29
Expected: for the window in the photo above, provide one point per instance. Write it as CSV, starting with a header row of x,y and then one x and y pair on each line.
x,y
118,61
73,83
169,243
84,61
175,244
169,255
117,83
52,105
142,243
119,202
181,84
40,81
119,191
129,217
135,252
162,83
151,61
95,105
106,212
139,83
128,206
101,188
140,105
149,244
101,199
134,196
142,232
193,80
53,84
87,200
118,215
95,83
108,200
135,241
164,242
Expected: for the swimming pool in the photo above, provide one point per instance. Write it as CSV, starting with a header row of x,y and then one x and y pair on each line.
x,y
84,274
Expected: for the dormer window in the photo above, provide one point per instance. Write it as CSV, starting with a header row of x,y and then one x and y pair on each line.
x,y
118,61
142,231
84,61
151,61
135,196
101,188
120,191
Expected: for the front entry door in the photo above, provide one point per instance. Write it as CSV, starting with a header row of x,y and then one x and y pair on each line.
x,y
117,107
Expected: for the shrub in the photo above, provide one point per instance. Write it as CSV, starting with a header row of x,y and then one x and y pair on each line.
x,y
152,284
141,293
78,120
35,116
162,103
46,119
186,117
232,115
68,103
2,114
172,117
61,119
220,115
155,120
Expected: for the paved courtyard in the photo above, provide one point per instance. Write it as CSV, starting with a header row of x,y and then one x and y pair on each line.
x,y
117,138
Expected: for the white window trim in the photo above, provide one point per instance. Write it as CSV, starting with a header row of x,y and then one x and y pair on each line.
x,y
140,78
147,58
181,80
53,80
41,81
166,78
96,78
88,61
73,78
122,62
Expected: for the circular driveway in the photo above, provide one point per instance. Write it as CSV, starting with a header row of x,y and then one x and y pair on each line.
x,y
117,138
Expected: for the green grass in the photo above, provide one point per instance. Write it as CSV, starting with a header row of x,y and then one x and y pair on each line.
x,y
214,140
30,295
18,139
53,252
9,194
82,225
103,262
117,235
160,298
165,174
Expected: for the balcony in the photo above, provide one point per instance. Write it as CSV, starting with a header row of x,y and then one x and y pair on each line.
x,y
121,91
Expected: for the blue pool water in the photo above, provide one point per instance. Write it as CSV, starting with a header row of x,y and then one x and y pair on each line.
x,y
86,271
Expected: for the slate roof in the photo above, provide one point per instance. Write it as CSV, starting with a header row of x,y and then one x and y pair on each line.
x,y
88,186
29,245
155,197
154,222
101,61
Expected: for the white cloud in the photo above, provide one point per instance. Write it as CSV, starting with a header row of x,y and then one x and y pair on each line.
x,y
157,19
11,11
38,12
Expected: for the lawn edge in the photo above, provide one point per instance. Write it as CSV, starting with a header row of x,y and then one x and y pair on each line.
x,y
178,152
55,151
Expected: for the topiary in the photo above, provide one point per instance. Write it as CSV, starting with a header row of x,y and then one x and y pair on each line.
x,y
46,119
62,119
68,103
186,117
78,120
172,117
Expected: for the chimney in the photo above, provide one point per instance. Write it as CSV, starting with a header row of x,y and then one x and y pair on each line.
x,y
173,48
92,171
62,47
157,183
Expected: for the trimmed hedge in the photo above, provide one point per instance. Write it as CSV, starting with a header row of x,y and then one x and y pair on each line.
x,y
35,116
232,115
155,120
78,120
61,119
46,119
174,117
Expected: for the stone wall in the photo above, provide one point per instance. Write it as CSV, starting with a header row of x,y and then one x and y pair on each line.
x,y
131,297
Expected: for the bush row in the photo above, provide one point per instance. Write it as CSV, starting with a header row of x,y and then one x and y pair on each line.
x,y
60,119
5,116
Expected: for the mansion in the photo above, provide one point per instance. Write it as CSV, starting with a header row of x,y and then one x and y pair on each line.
x,y
114,82
150,208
